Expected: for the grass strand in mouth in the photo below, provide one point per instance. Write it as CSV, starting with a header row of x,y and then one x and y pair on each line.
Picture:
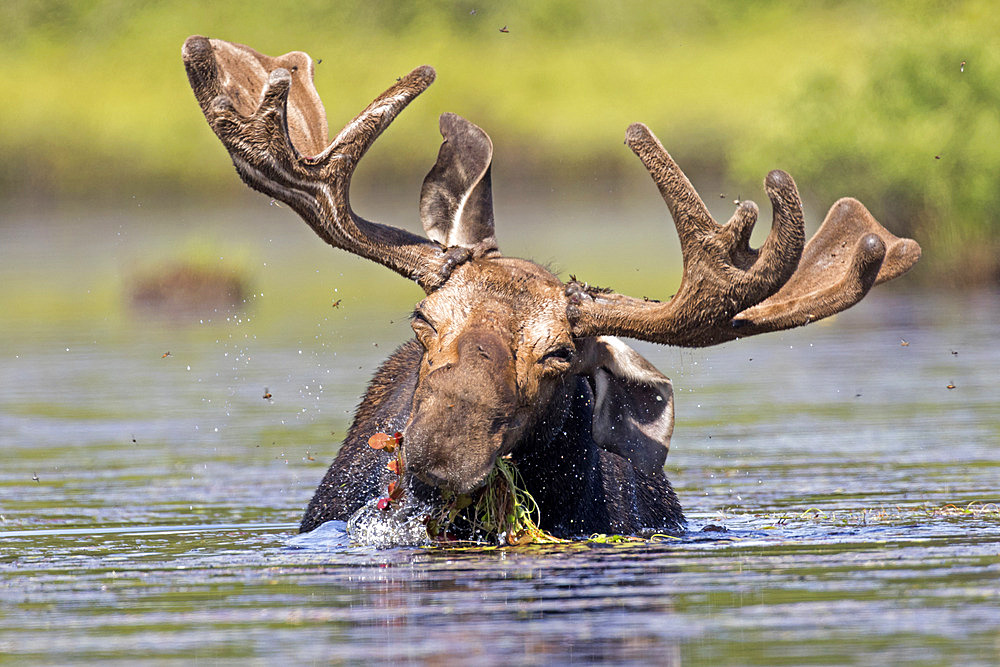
x,y
503,511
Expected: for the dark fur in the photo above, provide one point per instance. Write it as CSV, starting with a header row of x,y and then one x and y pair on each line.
x,y
580,488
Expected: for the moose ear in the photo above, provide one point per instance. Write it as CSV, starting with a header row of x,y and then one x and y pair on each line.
x,y
456,201
633,403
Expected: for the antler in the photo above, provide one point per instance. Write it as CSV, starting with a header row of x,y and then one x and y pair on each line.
x,y
269,117
730,290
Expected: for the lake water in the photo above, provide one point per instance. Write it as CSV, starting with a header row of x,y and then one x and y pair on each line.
x,y
148,502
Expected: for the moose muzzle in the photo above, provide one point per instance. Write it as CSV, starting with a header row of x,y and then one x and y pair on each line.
x,y
464,409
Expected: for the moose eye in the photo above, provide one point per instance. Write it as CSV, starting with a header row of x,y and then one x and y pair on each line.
x,y
560,355
421,324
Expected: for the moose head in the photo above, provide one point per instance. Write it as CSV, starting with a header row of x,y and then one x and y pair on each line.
x,y
503,342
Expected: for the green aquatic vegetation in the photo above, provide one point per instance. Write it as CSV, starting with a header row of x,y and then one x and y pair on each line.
x,y
502,511
897,516
601,538
975,508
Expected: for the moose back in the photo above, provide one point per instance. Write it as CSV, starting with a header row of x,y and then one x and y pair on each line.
x,y
507,360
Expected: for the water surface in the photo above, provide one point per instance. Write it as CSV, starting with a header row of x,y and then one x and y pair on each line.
x,y
148,501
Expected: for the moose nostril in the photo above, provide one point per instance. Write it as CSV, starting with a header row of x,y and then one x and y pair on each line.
x,y
482,352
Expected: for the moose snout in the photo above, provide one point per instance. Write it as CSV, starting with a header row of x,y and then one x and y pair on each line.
x,y
455,450
462,410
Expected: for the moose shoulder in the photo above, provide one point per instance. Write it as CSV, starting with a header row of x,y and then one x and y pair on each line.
x,y
508,360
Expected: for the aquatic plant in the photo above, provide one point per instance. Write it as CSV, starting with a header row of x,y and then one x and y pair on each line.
x,y
501,512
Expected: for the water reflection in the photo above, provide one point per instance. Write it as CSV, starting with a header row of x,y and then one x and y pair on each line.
x,y
750,596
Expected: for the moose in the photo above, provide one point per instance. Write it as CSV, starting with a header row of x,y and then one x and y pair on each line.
x,y
508,360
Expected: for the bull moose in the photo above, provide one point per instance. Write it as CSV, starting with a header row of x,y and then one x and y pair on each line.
x,y
507,359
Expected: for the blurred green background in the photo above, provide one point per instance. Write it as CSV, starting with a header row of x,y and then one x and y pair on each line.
x,y
896,103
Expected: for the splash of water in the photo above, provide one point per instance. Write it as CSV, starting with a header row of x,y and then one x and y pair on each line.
x,y
402,526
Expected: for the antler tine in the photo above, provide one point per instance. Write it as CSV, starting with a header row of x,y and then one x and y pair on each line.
x,y
278,146
782,249
357,136
725,279
689,212
759,273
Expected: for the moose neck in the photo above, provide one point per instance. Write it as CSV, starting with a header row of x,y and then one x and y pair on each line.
x,y
559,474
